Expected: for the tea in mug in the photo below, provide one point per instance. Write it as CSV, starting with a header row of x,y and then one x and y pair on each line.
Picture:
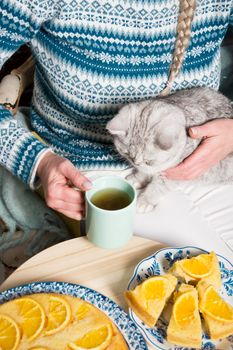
x,y
111,199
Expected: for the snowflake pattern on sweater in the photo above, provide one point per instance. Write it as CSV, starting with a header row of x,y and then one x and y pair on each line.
x,y
93,56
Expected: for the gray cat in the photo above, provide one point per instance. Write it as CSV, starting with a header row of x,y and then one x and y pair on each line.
x,y
152,136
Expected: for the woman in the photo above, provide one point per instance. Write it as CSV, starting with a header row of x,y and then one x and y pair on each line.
x,y
92,57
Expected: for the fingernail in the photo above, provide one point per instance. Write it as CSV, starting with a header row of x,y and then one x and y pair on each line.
x,y
87,185
79,217
194,131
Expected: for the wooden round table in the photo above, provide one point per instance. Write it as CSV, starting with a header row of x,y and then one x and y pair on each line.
x,y
79,261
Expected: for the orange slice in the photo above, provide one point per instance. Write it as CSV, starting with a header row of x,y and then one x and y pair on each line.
x,y
184,328
59,314
198,267
83,309
215,307
154,288
9,333
185,308
33,317
97,339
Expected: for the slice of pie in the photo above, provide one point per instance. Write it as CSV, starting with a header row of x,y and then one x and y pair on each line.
x,y
149,298
184,328
201,267
217,313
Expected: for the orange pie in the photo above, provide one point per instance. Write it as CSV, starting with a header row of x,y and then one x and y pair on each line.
x,y
51,321
201,267
185,324
217,313
149,298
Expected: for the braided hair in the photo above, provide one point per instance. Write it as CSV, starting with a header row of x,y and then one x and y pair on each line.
x,y
183,30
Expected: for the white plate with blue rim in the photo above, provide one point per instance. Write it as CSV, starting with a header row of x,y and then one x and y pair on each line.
x,y
128,329
158,264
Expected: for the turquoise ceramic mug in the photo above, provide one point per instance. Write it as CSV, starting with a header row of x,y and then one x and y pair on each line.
x,y
110,228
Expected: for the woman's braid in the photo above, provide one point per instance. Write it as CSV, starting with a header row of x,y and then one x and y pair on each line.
x,y
183,30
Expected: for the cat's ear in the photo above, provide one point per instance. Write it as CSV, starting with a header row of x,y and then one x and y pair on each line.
x,y
115,127
164,141
120,123
168,133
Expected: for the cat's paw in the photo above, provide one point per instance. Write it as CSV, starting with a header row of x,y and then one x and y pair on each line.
x,y
143,205
133,179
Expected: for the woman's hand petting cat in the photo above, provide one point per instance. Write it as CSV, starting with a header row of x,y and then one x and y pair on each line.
x,y
216,144
55,174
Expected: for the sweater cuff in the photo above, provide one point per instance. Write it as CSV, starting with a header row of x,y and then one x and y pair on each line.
x,y
34,179
20,151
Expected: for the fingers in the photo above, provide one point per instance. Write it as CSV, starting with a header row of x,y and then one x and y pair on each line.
x,y
77,179
61,205
193,166
72,210
216,144
72,215
65,199
54,176
68,194
205,130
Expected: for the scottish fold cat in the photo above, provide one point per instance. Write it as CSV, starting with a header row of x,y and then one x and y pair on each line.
x,y
152,136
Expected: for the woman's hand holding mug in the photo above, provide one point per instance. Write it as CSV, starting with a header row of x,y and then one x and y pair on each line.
x,y
56,174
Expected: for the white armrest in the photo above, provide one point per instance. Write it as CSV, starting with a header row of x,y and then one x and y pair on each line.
x,y
13,85
9,91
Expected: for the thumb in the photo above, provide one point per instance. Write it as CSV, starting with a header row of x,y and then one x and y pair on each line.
x,y
77,179
205,130
194,132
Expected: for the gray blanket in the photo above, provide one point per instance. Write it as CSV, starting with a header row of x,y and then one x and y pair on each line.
x,y
27,225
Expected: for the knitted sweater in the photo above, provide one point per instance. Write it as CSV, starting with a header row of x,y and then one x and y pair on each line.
x,y
91,57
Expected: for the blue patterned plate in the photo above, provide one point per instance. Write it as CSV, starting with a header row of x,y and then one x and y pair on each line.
x,y
158,264
128,328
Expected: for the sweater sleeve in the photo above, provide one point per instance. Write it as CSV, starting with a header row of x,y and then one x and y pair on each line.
x,y
20,20
231,16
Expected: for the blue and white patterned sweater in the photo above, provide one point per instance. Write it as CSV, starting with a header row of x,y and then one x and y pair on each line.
x,y
93,56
